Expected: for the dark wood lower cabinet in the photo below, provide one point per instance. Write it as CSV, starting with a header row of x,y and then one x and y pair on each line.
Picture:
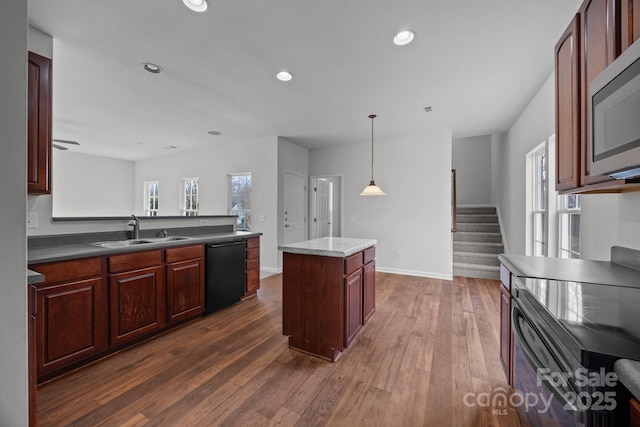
x,y
326,300
185,293
137,304
352,306
634,413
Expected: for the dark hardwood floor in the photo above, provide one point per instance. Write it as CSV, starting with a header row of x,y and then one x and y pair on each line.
x,y
429,343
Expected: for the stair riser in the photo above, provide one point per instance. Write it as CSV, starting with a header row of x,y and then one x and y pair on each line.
x,y
479,228
477,237
471,247
477,218
492,275
483,259
476,211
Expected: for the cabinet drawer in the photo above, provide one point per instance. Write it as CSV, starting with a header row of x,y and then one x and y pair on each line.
x,y
253,280
369,254
69,270
184,253
253,242
253,253
253,264
352,263
134,261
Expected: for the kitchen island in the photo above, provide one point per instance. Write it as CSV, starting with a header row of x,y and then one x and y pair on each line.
x,y
328,289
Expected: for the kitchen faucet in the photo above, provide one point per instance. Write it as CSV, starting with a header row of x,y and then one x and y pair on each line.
x,y
135,222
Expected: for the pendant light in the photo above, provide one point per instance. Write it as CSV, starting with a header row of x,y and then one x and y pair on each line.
x,y
372,189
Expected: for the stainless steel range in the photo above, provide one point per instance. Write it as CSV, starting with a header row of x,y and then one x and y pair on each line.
x,y
567,337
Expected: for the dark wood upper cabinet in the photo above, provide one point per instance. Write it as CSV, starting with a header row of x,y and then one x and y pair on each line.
x,y
629,22
567,63
39,124
600,43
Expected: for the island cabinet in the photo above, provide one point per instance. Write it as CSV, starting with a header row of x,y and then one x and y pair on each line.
x,y
326,300
39,86
185,276
137,295
70,314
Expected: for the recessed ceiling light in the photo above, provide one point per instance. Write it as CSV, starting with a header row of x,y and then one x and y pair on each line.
x,y
214,133
152,68
196,5
404,37
284,76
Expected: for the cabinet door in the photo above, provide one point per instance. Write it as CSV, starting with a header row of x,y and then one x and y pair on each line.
x,y
39,124
629,22
567,57
368,291
252,266
185,290
600,46
70,325
352,305
137,303
505,332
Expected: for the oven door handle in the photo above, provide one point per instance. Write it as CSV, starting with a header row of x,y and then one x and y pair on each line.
x,y
558,392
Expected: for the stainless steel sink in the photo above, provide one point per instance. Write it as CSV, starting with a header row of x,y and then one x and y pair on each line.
x,y
114,244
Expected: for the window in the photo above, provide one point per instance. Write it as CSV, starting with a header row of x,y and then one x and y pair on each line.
x,y
151,200
569,226
539,203
240,199
190,201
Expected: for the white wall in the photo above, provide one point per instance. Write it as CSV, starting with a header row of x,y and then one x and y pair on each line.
x,y
471,158
414,217
294,159
212,167
13,173
76,178
533,126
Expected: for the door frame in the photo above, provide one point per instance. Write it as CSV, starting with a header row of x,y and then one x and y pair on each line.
x,y
312,202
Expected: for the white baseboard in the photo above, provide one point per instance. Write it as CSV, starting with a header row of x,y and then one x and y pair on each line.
x,y
269,271
415,273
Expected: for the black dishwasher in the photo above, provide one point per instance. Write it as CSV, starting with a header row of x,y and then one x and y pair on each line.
x,y
225,274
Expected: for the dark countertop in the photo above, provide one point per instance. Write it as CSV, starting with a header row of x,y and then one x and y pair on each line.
x,y
34,277
577,270
65,252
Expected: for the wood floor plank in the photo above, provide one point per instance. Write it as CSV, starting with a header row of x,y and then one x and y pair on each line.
x,y
429,343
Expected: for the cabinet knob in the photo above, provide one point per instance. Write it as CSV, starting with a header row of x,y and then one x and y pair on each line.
x,y
286,225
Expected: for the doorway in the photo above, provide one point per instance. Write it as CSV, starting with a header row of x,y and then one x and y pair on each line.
x,y
295,202
326,206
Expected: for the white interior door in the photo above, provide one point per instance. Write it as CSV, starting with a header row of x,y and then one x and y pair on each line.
x,y
323,192
295,196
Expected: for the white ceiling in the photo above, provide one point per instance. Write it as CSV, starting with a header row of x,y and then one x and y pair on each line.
x,y
477,63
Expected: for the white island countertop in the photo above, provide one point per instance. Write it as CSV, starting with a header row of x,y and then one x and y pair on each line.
x,y
329,246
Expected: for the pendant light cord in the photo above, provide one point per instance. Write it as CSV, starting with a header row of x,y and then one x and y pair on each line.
x,y
372,116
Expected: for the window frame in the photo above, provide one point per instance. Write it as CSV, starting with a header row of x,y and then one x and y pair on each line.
x,y
568,217
190,203
539,204
244,214
148,210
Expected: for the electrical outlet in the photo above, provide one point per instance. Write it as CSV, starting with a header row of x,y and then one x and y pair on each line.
x,y
352,218
32,220
204,221
398,254
263,218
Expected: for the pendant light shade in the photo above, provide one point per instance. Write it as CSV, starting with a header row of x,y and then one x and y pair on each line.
x,y
372,189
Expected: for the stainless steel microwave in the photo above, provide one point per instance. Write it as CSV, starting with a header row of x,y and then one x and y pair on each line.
x,y
614,108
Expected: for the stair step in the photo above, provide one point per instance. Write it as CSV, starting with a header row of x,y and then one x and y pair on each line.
x,y
475,258
475,270
476,210
477,218
482,227
478,247
477,237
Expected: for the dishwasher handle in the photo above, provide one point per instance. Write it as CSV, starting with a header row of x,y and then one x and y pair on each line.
x,y
230,243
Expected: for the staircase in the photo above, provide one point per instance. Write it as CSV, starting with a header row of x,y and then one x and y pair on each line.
x,y
477,243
